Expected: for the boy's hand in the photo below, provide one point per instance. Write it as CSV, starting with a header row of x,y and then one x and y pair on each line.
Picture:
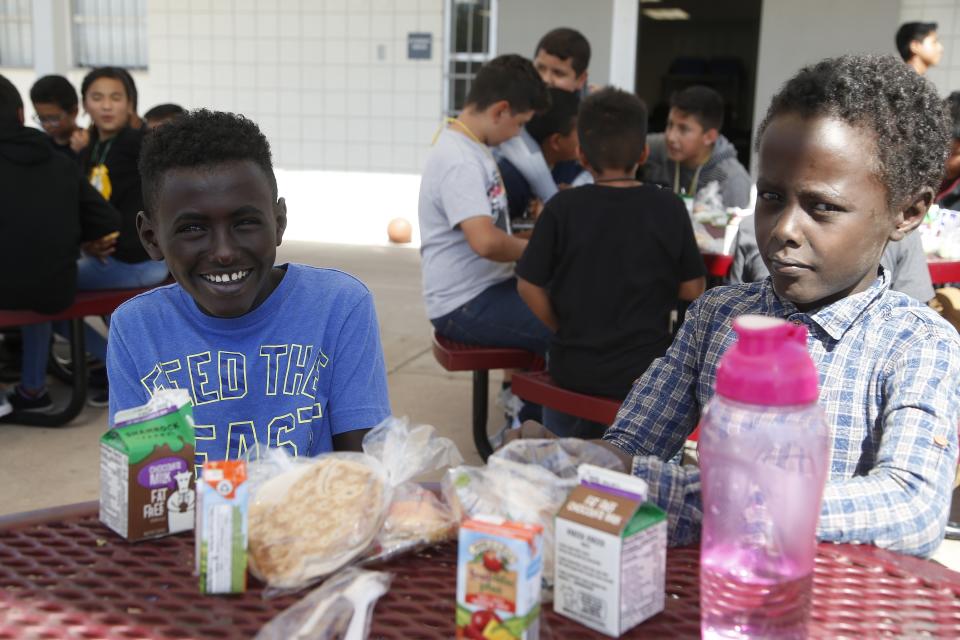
x,y
102,247
79,140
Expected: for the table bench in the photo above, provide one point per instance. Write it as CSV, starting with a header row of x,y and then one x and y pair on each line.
x,y
86,303
456,356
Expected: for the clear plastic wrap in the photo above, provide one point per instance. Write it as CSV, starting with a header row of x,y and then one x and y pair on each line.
x,y
416,516
525,481
310,516
340,609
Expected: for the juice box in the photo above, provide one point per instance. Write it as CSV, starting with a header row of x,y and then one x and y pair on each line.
x,y
147,486
611,553
221,540
498,580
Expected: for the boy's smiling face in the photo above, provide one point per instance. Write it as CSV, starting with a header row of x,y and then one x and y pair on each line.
x,y
822,217
218,228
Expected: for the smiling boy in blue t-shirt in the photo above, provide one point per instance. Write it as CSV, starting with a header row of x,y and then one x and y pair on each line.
x,y
286,356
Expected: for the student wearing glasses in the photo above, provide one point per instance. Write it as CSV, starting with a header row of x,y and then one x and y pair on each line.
x,y
56,105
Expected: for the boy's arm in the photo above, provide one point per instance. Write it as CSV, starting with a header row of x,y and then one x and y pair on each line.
x,y
527,157
358,390
539,302
690,290
662,409
98,217
126,391
490,242
902,502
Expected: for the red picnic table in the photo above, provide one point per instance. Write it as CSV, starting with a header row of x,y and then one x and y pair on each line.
x,y
943,271
64,575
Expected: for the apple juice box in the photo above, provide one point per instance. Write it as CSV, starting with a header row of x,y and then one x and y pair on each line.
x,y
221,538
147,484
498,579
611,552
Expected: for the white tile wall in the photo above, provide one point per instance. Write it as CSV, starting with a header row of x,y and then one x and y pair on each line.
x,y
946,13
327,81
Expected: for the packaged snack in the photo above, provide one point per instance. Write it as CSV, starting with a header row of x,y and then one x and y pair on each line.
x,y
526,481
221,539
310,516
416,517
499,564
611,553
147,486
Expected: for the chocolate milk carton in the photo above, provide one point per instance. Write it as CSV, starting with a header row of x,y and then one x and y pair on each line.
x,y
611,547
147,485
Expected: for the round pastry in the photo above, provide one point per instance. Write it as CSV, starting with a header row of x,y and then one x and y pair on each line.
x,y
312,520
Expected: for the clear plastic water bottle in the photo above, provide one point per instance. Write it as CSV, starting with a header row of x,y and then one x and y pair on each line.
x,y
764,450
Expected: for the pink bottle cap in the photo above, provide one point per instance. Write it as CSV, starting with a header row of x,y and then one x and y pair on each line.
x,y
768,365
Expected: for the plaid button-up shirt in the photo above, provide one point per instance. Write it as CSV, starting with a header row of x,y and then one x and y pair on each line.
x,y
889,374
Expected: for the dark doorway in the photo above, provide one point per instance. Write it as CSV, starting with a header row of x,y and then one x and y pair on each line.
x,y
716,46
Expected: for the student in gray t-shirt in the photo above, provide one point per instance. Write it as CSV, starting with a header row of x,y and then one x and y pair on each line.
x,y
904,260
467,249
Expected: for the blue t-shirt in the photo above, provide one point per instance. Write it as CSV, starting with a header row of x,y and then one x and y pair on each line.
x,y
302,367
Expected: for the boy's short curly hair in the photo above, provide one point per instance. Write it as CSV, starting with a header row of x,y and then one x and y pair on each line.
x,y
882,95
612,127
201,139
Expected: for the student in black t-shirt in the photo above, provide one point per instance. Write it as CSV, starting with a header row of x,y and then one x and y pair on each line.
x,y
607,262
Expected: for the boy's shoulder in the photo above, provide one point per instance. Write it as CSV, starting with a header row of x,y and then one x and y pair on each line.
x,y
161,296
911,318
327,281
646,195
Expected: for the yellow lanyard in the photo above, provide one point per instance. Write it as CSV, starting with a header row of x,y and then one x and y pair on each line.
x,y
470,134
692,191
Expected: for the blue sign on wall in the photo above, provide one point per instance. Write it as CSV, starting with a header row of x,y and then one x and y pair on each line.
x,y
419,46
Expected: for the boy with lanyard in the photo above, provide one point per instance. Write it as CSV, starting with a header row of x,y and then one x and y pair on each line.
x,y
692,153
467,247
850,153
607,263
286,356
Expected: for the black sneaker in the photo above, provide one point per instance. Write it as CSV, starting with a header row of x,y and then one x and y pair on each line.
x,y
20,402
98,398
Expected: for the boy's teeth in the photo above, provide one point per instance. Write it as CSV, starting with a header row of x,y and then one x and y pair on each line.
x,y
227,277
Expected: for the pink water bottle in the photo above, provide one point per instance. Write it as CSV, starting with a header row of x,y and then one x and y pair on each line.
x,y
764,450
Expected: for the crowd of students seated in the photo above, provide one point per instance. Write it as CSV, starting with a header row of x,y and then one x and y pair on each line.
x,y
852,151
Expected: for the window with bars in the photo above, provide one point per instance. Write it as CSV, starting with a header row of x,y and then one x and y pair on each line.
x,y
16,33
470,41
110,33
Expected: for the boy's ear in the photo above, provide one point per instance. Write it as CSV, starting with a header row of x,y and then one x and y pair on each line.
x,y
710,136
581,80
911,213
643,156
498,109
148,236
280,210
582,159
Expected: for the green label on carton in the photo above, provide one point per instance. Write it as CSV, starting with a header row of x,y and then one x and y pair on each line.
x,y
139,440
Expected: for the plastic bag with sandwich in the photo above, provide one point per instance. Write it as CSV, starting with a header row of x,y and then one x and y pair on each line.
x,y
526,481
308,517
417,516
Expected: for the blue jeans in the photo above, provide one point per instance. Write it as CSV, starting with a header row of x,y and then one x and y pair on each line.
x,y
92,275
498,317
565,425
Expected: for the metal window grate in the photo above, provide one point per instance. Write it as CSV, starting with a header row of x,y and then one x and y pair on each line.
x,y
110,33
16,33
470,41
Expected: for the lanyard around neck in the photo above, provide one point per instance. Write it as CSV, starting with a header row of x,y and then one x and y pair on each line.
x,y
692,190
94,160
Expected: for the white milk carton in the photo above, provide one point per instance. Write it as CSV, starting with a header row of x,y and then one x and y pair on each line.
x,y
611,553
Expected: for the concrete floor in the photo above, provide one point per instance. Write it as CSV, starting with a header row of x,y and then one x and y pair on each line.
x,y
62,464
